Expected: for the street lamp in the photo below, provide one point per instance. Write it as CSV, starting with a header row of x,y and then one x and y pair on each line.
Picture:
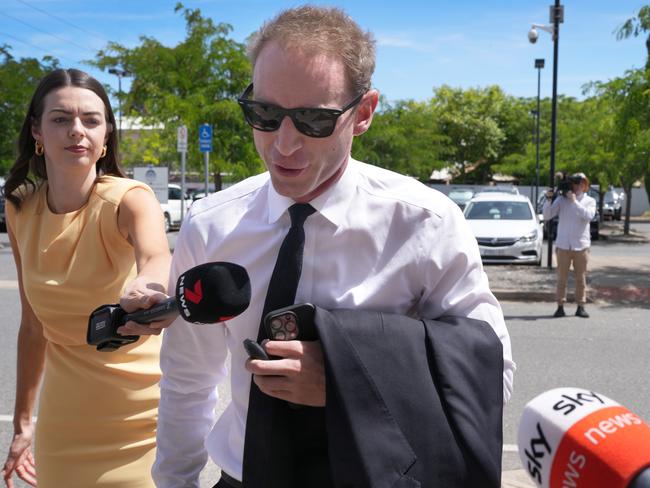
x,y
556,18
539,64
120,73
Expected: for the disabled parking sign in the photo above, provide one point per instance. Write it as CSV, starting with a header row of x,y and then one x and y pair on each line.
x,y
205,138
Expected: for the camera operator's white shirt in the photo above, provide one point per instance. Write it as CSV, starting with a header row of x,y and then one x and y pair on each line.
x,y
378,241
574,217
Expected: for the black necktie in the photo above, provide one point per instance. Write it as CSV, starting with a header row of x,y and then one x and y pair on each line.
x,y
267,447
288,266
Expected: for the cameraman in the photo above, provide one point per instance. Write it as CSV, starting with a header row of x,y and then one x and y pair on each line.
x,y
574,209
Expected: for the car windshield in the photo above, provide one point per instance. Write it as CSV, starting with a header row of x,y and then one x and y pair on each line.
x,y
498,211
461,195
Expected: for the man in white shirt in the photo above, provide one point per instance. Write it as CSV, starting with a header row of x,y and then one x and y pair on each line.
x,y
574,209
377,241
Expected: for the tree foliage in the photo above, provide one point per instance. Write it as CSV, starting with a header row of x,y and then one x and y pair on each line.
x,y
627,99
478,131
18,80
403,137
483,126
633,27
195,82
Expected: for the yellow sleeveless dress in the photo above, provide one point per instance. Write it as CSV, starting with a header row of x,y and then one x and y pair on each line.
x,y
97,410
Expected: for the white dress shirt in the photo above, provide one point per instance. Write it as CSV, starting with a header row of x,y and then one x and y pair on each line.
x,y
574,218
378,241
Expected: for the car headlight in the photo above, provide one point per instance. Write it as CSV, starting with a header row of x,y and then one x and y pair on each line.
x,y
530,237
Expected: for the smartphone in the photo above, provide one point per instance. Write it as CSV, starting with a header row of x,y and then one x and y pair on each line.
x,y
295,322
254,350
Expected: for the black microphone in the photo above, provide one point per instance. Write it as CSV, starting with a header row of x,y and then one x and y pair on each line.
x,y
206,294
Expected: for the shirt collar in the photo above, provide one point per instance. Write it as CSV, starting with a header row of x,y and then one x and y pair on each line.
x,y
332,204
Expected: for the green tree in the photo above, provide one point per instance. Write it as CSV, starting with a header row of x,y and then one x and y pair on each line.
x,y
582,137
197,81
628,129
483,125
18,80
403,137
520,159
640,24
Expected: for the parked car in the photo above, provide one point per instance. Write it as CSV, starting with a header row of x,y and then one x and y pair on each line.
x,y
506,228
613,205
594,225
172,209
461,196
499,189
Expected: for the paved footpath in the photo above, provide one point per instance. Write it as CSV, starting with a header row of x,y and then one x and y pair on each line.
x,y
616,276
618,271
619,274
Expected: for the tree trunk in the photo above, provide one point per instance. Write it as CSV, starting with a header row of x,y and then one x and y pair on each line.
x,y
628,206
218,183
601,199
647,183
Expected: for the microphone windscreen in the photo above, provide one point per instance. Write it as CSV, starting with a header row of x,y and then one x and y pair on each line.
x,y
572,437
213,292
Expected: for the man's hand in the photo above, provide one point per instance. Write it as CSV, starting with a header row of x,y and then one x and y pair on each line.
x,y
298,377
142,295
570,196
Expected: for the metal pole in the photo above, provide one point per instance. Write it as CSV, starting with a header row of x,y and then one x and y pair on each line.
x,y
182,185
539,74
119,90
119,73
206,162
556,38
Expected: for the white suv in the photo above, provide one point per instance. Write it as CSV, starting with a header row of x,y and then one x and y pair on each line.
x,y
172,209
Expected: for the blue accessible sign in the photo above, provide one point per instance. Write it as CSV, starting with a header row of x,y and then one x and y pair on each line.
x,y
205,138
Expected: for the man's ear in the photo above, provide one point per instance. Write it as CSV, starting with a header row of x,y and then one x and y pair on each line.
x,y
365,112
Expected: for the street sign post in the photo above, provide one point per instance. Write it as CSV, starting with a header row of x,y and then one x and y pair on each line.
x,y
181,139
181,146
205,146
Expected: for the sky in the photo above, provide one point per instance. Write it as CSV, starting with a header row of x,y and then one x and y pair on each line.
x,y
421,44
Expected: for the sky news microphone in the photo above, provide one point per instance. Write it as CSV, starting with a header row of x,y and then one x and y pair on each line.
x,y
206,294
572,437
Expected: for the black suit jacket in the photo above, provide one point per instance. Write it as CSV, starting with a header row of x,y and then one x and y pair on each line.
x,y
410,402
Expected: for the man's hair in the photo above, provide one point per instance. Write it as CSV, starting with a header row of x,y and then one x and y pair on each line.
x,y
321,30
584,181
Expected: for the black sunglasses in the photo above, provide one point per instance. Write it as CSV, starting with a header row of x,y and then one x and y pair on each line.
x,y
313,122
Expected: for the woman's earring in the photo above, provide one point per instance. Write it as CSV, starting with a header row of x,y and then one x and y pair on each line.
x,y
103,155
38,148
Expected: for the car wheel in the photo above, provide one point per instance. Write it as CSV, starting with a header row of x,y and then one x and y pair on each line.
x,y
168,222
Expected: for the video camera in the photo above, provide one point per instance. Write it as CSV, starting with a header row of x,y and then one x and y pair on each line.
x,y
564,182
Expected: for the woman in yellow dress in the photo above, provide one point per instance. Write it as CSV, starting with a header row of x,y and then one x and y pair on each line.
x,y
82,235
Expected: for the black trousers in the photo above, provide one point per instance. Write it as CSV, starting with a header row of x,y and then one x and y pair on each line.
x,y
227,481
311,467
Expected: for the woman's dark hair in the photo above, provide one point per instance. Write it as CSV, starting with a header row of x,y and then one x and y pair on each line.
x,y
28,164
